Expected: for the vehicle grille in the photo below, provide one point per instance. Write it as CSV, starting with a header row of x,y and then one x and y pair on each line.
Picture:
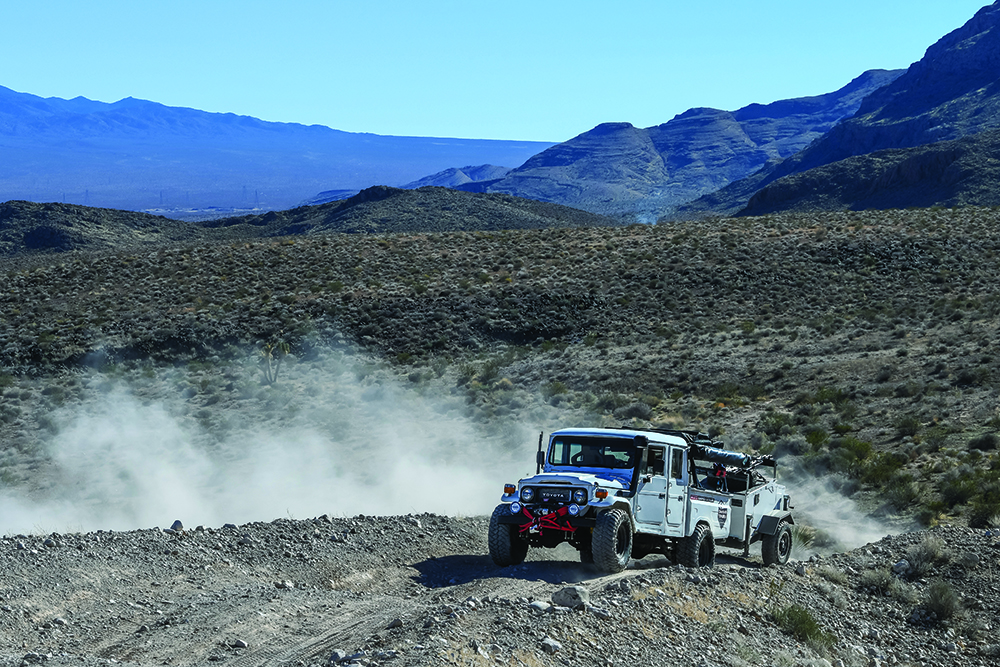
x,y
551,495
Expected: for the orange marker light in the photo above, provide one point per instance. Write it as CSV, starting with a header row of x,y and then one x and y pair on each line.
x,y
508,489
601,494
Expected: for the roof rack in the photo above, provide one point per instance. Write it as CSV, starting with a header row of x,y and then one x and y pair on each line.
x,y
690,437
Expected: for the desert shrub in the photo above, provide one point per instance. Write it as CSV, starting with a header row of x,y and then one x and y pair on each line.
x,y
935,438
637,410
553,388
924,555
958,486
985,510
858,449
794,444
878,468
773,422
490,370
797,621
930,512
817,437
803,537
882,582
985,442
941,600
611,402
902,490
908,425
833,574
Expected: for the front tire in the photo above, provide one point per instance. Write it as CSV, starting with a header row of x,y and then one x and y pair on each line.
x,y
698,550
612,541
776,549
506,546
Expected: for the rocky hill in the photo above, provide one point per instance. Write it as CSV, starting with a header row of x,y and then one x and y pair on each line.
x,y
139,155
961,172
27,228
617,169
948,94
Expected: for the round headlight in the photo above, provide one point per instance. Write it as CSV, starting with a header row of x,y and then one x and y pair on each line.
x,y
580,496
515,507
573,510
527,493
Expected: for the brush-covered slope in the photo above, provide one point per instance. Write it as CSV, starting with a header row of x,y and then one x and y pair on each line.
x,y
859,347
382,209
950,93
618,169
27,228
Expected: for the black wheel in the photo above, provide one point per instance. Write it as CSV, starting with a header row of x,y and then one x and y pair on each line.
x,y
698,550
506,546
775,549
612,541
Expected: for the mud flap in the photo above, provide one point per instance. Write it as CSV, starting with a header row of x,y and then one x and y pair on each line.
x,y
769,522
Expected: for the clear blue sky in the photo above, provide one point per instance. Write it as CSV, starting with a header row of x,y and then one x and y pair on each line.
x,y
514,69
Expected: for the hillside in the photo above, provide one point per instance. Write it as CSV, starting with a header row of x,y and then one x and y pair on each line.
x,y
620,170
961,172
797,334
139,155
374,379
948,94
382,209
27,228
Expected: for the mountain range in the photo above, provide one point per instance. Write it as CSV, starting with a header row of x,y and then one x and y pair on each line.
x,y
919,137
140,155
925,136
618,169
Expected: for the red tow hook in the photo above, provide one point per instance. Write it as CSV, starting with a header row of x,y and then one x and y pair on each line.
x,y
551,521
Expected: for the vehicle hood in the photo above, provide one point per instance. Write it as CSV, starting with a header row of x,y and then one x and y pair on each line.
x,y
614,479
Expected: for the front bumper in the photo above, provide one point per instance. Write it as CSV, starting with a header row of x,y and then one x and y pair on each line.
x,y
540,519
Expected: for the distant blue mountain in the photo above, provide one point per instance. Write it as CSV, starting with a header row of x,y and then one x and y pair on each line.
x,y
140,155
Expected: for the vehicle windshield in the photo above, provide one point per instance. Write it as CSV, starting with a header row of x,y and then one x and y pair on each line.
x,y
591,452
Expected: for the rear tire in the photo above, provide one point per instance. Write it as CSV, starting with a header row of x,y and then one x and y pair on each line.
x,y
506,546
612,541
698,550
776,549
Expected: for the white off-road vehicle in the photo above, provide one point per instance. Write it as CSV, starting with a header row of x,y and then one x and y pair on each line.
x,y
616,494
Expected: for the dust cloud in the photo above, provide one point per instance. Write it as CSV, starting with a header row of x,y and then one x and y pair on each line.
x,y
836,515
325,439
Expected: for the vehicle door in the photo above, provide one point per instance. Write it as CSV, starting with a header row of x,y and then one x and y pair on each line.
x,y
651,503
677,487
